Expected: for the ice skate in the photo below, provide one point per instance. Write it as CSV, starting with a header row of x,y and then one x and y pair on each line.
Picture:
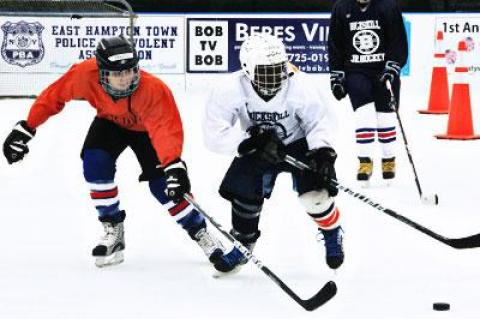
x,y
109,250
365,171
232,262
210,245
388,169
333,240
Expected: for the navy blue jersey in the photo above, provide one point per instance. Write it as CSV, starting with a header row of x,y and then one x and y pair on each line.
x,y
363,40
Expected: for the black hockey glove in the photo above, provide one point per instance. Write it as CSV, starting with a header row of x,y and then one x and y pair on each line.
x,y
337,84
15,145
322,161
391,72
177,180
265,145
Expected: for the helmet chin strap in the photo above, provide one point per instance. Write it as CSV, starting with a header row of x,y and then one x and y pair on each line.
x,y
265,94
363,3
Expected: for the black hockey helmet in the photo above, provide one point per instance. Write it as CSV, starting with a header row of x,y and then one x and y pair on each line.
x,y
115,56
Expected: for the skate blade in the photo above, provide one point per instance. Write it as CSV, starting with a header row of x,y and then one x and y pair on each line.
x,y
111,260
220,274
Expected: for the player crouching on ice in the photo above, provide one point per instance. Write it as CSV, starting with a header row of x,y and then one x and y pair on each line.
x,y
136,110
279,114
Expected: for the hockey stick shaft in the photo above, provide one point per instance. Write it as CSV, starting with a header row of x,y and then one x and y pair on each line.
x,y
327,292
458,243
394,106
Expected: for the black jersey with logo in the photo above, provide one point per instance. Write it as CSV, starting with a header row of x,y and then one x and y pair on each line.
x,y
365,39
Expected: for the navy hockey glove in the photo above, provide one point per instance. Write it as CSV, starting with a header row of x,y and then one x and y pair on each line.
x,y
337,84
15,145
265,145
177,180
322,162
391,72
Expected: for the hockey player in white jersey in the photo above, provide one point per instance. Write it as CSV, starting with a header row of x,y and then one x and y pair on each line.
x,y
279,114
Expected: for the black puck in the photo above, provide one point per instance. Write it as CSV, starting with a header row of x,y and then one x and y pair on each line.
x,y
441,306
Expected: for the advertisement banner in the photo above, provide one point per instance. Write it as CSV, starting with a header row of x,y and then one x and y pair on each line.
x,y
53,44
214,44
460,28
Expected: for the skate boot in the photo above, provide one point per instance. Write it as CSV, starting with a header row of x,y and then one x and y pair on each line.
x,y
365,170
388,168
231,262
210,245
109,250
333,246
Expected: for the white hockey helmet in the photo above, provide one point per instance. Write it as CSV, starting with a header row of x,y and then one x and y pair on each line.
x,y
264,61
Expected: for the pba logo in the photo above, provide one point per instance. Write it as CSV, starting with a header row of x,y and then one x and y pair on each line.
x,y
22,43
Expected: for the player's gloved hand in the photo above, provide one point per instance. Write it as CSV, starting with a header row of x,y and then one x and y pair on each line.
x,y
15,145
322,162
391,72
265,145
177,180
337,84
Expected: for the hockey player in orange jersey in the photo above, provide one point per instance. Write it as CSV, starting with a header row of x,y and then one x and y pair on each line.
x,y
134,109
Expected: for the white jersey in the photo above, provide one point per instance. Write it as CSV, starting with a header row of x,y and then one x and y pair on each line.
x,y
297,111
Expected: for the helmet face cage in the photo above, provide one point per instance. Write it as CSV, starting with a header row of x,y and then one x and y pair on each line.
x,y
269,79
117,62
115,91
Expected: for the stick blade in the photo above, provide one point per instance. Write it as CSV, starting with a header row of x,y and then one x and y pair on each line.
x,y
328,291
431,199
466,242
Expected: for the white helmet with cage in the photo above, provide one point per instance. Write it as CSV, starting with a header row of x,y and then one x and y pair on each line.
x,y
264,61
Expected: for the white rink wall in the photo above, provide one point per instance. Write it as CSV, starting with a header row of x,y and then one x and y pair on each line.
x,y
169,47
165,51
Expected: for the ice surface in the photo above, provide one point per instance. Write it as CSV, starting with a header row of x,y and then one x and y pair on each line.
x,y
48,227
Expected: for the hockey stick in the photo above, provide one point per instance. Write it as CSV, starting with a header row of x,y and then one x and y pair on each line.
x,y
427,199
327,292
458,243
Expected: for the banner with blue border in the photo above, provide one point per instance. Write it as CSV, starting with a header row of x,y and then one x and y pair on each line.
x,y
213,44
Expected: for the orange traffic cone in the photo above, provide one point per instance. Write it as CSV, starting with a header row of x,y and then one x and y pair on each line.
x,y
460,124
439,100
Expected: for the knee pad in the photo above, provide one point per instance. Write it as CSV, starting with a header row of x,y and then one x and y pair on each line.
x,y
316,202
98,165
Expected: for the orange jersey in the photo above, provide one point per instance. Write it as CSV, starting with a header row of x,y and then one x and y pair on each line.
x,y
150,108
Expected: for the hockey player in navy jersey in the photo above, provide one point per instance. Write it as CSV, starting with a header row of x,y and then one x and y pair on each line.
x,y
279,114
367,46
